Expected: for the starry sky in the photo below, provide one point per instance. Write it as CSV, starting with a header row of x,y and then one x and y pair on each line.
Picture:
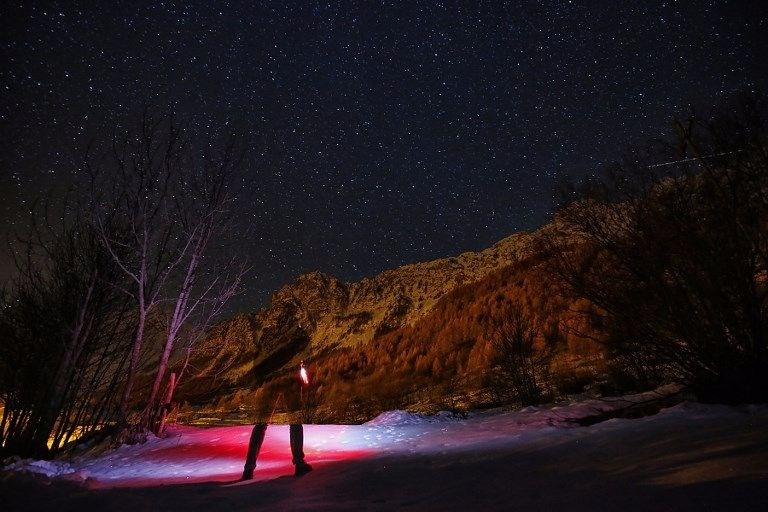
x,y
381,133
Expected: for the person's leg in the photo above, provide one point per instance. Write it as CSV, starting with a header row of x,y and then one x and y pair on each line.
x,y
297,443
297,449
254,445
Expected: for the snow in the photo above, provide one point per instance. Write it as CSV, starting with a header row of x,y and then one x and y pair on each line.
x,y
403,460
392,418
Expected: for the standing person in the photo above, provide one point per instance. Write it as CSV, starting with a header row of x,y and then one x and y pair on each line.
x,y
294,397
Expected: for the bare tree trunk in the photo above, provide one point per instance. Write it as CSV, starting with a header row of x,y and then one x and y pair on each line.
x,y
202,205
166,406
178,317
133,366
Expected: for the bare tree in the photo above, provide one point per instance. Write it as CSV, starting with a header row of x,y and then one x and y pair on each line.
x,y
131,188
523,365
163,208
61,347
202,204
672,247
74,324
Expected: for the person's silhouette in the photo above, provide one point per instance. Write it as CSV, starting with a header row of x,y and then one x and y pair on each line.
x,y
294,395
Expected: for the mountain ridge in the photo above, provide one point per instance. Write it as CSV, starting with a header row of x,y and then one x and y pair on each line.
x,y
318,313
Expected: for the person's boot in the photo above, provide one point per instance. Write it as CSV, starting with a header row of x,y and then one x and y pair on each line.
x,y
254,446
297,450
302,468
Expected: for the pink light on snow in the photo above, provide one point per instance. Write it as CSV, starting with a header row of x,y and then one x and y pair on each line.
x,y
192,454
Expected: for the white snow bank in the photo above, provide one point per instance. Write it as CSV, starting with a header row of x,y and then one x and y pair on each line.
x,y
532,415
394,418
50,468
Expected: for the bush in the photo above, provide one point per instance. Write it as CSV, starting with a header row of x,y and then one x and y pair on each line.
x,y
673,249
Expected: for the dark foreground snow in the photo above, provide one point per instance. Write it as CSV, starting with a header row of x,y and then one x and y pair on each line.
x,y
687,457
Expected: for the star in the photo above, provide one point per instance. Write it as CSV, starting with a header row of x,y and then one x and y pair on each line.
x,y
378,135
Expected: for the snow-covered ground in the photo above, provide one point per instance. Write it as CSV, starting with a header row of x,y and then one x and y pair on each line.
x,y
690,456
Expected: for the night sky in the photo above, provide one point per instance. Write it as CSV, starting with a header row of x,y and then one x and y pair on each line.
x,y
382,133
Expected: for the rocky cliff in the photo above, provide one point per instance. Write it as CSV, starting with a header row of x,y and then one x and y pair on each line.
x,y
318,313
348,314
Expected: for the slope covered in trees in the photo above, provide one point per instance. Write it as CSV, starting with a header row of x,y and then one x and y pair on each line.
x,y
445,357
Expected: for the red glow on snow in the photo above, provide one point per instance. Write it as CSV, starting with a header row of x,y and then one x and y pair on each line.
x,y
217,454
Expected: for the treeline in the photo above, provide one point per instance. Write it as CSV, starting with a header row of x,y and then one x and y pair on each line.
x,y
673,250
451,358
113,283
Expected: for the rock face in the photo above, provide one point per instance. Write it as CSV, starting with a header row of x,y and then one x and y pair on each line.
x,y
318,313
334,314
